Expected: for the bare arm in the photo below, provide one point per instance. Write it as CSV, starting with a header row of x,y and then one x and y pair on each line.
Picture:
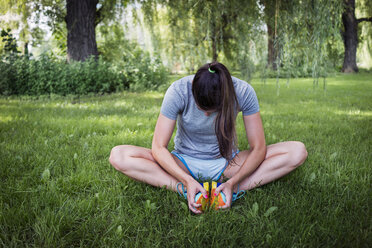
x,y
162,135
257,153
257,147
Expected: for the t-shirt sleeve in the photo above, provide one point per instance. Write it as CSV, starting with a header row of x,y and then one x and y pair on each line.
x,y
173,103
248,100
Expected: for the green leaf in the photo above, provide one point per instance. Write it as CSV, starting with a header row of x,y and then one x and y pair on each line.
x,y
333,156
119,230
312,177
184,206
270,211
149,205
255,209
268,237
46,175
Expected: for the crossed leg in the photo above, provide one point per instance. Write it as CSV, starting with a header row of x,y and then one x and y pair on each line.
x,y
139,164
281,158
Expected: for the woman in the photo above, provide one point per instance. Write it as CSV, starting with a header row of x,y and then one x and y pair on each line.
x,y
205,107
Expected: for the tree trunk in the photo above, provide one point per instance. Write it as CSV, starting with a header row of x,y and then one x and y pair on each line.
x,y
270,10
271,51
81,33
25,49
214,49
214,43
350,37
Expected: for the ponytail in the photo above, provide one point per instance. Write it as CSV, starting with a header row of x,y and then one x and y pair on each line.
x,y
213,89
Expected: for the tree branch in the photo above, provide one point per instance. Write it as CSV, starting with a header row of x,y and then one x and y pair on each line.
x,y
365,19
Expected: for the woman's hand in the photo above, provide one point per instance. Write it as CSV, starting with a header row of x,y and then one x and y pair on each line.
x,y
227,189
193,187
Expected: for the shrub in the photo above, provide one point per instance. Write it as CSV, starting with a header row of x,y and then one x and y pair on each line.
x,y
20,75
142,70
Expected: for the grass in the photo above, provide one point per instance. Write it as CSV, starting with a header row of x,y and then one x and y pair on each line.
x,y
58,189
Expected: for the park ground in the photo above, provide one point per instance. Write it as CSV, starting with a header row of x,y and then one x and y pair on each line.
x,y
57,188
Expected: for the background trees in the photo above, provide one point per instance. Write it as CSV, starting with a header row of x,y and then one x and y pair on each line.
x,y
81,25
290,38
201,31
79,19
303,37
350,33
73,25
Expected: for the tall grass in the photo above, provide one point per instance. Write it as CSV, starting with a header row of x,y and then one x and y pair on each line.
x,y
57,188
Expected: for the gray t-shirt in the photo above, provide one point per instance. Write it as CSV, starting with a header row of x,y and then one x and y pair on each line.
x,y
195,134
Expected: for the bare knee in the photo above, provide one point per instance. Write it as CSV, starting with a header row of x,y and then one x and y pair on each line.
x,y
118,157
298,153
125,158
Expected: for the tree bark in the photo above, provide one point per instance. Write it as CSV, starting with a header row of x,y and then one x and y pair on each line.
x,y
214,42
350,37
271,51
214,49
270,12
366,19
81,34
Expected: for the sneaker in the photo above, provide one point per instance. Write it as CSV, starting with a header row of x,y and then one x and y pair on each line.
x,y
220,200
184,192
238,194
217,201
199,198
214,201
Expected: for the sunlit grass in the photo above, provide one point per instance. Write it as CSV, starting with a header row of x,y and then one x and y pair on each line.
x,y
57,188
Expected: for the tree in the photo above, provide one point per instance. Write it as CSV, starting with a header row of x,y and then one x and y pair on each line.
x,y
350,36
271,19
9,44
81,17
81,34
201,29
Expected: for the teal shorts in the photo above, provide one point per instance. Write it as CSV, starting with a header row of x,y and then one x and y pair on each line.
x,y
204,169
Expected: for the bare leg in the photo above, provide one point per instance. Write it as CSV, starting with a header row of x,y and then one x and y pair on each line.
x,y
281,158
139,164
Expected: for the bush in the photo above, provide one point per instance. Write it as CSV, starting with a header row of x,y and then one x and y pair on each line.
x,y
144,72
20,75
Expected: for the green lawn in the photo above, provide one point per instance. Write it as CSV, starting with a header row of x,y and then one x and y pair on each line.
x,y
57,188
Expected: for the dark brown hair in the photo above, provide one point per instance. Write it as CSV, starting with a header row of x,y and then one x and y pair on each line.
x,y
213,90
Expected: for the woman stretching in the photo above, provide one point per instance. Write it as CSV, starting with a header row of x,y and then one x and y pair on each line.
x,y
205,106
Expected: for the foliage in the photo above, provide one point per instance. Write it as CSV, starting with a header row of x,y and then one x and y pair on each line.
x,y
187,34
131,68
9,43
22,76
364,10
306,35
143,70
46,76
55,11
59,190
194,32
